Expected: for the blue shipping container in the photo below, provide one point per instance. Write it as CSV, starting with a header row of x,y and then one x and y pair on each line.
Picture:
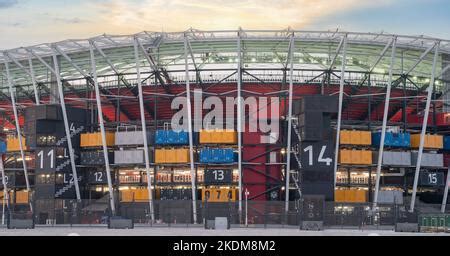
x,y
169,137
217,155
400,140
447,142
2,147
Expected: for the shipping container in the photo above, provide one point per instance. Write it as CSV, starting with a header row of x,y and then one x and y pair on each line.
x,y
125,138
355,138
390,197
217,155
447,142
141,195
95,139
218,137
428,159
172,156
12,144
394,158
95,157
2,147
397,140
22,197
361,157
219,195
170,137
430,141
350,196
131,156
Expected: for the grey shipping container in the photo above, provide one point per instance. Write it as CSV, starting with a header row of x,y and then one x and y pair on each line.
x,y
132,156
124,138
390,197
394,158
428,159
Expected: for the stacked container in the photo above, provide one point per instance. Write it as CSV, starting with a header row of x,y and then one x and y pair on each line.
x,y
355,155
129,146
171,148
92,154
315,137
216,150
45,136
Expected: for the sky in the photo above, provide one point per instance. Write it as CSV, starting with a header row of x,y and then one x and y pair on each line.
x,y
29,22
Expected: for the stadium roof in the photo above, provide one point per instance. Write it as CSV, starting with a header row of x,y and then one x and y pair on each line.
x,y
211,51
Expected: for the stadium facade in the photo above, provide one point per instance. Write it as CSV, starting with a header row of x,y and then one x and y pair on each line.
x,y
97,138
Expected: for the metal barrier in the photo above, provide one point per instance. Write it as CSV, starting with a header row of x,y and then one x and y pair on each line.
x,y
259,214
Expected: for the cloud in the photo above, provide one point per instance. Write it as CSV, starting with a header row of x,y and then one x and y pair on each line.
x,y
176,15
7,3
75,20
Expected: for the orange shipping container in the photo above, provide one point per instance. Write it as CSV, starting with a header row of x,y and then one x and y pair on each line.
x,y
12,144
345,156
95,139
205,136
355,137
218,137
345,137
430,141
160,156
339,195
229,137
182,155
362,157
360,196
366,157
21,197
365,138
127,196
350,196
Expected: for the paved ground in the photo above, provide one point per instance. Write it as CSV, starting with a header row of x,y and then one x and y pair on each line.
x,y
177,231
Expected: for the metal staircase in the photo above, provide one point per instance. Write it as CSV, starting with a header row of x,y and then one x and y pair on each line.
x,y
73,133
64,164
295,174
65,188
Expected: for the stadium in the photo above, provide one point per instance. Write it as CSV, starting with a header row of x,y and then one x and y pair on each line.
x,y
88,137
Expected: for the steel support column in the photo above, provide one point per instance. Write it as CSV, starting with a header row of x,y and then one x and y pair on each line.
x,y
33,80
5,189
66,126
444,199
239,117
144,129
189,117
30,73
289,117
102,128
383,129
341,97
16,120
424,126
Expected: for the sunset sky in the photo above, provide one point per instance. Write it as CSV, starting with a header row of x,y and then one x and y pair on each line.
x,y
28,22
